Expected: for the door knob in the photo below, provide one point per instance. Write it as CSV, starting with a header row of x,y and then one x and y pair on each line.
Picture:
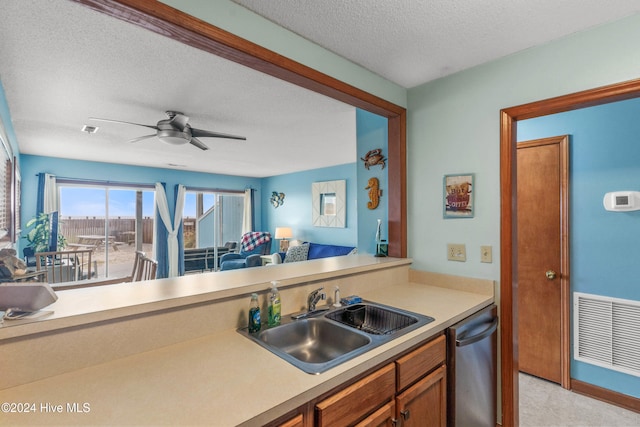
x,y
550,274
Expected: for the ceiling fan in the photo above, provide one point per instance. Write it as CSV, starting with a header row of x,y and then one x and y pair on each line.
x,y
176,130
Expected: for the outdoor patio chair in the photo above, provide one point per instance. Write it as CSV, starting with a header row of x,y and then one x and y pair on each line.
x,y
65,266
137,264
147,269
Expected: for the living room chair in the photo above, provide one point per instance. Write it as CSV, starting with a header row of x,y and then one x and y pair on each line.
x,y
252,245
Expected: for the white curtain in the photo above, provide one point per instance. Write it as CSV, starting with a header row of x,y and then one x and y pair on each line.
x,y
247,226
51,203
172,229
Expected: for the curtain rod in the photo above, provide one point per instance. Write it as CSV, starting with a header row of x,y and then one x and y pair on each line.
x,y
65,180
212,190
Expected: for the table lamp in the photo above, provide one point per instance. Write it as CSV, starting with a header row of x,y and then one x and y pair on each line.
x,y
284,233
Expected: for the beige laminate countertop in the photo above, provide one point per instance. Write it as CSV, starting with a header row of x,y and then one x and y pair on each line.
x,y
222,379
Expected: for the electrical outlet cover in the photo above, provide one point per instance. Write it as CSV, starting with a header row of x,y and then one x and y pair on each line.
x,y
486,254
456,252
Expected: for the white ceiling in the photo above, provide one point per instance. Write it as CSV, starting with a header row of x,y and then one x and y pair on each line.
x,y
410,42
61,63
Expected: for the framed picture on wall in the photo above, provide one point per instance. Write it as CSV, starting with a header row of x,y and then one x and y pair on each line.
x,y
329,204
458,196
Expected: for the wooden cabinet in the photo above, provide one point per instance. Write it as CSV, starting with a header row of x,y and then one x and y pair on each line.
x,y
351,404
410,391
425,402
383,417
297,421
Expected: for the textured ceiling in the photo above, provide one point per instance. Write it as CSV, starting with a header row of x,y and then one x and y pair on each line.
x,y
414,41
62,63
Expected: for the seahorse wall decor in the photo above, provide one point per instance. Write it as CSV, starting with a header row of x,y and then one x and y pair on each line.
x,y
374,193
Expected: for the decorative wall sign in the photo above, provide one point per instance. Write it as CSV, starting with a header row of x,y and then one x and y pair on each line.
x,y
277,199
458,196
373,158
328,204
374,193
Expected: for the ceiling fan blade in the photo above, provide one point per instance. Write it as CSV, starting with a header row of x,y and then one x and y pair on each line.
x,y
141,138
120,121
179,121
208,134
195,141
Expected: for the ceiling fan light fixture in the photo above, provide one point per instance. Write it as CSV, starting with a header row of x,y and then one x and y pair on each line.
x,y
174,137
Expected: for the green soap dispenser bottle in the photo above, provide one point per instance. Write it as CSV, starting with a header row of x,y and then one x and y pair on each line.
x,y
275,314
254,314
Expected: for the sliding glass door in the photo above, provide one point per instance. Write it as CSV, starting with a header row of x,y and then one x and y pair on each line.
x,y
212,219
112,221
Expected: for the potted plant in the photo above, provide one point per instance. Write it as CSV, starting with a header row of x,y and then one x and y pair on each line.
x,y
38,236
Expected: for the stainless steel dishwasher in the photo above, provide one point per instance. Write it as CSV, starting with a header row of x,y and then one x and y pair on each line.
x,y
471,370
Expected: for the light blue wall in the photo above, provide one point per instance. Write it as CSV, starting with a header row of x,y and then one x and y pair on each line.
x,y
295,212
604,247
372,133
32,165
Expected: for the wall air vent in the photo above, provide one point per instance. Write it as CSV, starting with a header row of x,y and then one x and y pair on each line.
x,y
607,332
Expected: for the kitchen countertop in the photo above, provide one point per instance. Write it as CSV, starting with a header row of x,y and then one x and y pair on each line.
x,y
221,379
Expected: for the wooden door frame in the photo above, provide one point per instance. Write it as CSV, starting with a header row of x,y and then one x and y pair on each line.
x,y
508,224
565,273
167,21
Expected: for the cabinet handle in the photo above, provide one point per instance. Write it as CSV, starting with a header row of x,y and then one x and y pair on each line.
x,y
405,414
394,422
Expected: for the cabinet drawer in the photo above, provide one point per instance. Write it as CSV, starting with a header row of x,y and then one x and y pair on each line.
x,y
354,402
421,361
297,421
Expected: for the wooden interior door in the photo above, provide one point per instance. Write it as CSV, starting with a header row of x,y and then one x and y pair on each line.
x,y
543,259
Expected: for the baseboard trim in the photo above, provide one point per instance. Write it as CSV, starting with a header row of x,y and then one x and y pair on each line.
x,y
605,395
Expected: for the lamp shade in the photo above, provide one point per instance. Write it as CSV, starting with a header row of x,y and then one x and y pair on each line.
x,y
283,233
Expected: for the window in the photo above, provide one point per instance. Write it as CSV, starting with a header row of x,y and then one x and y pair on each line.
x,y
212,218
6,175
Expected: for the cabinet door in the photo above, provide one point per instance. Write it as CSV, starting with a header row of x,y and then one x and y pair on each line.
x,y
383,417
425,403
351,404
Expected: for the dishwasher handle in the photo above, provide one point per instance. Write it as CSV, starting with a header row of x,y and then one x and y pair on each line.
x,y
478,337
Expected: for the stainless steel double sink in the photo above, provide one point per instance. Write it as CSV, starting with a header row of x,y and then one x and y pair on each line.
x,y
322,341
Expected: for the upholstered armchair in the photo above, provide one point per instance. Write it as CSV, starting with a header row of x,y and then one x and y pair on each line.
x,y
252,246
